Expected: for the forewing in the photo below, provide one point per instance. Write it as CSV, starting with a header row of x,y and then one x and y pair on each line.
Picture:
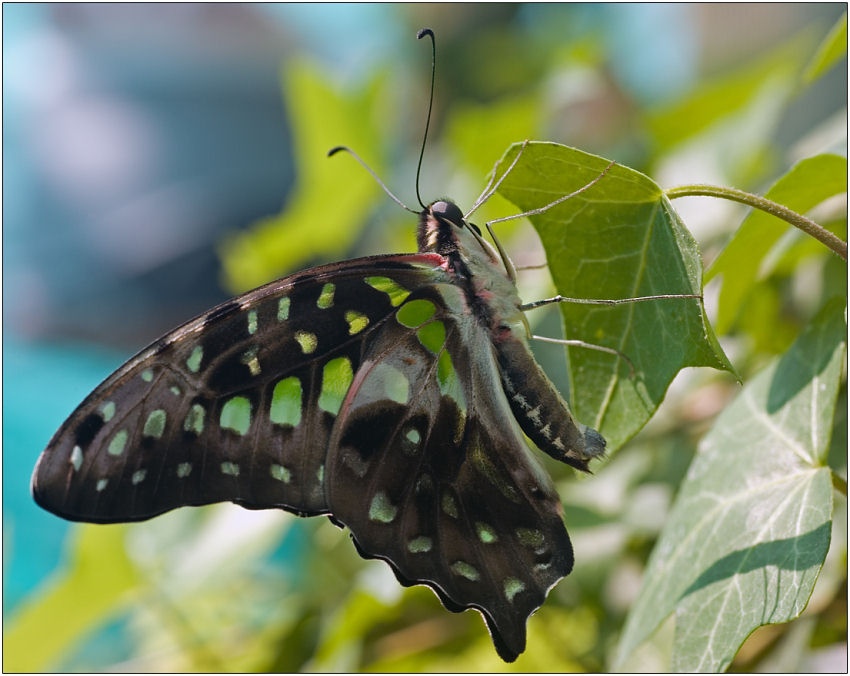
x,y
237,404
429,470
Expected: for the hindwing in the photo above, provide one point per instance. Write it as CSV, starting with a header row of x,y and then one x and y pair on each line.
x,y
447,490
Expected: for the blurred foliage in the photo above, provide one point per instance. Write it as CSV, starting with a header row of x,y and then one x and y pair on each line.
x,y
224,589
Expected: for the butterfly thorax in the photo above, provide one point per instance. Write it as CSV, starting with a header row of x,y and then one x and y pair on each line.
x,y
474,265
492,296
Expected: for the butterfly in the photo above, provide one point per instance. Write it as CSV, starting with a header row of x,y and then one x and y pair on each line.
x,y
392,393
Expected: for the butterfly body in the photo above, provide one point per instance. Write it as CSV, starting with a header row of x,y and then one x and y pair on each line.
x,y
389,392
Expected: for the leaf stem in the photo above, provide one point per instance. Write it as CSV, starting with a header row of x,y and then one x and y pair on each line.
x,y
839,484
797,220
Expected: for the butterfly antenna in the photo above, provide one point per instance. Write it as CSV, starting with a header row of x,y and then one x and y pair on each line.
x,y
334,151
422,33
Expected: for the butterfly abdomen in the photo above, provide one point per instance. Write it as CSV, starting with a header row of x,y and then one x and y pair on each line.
x,y
541,412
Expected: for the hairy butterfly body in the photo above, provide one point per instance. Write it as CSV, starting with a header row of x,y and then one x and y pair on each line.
x,y
390,393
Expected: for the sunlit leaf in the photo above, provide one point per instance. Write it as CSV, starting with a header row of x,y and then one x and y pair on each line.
x,y
750,528
82,597
332,196
807,184
726,95
833,48
620,238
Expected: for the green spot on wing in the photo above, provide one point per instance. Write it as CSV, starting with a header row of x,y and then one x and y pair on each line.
x,y
107,410
357,321
155,424
396,386
77,457
252,322
286,402
415,313
336,379
433,336
116,446
394,290
382,509
466,570
513,587
485,533
530,537
326,297
449,506
138,476
283,309
419,545
280,473
147,375
307,341
230,468
236,415
249,358
194,361
184,469
194,421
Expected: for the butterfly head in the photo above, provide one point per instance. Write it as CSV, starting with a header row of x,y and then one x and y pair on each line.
x,y
444,230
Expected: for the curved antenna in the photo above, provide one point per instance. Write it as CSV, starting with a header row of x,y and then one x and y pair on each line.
x,y
422,33
335,150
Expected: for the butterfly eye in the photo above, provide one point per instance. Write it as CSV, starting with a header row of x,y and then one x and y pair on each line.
x,y
448,211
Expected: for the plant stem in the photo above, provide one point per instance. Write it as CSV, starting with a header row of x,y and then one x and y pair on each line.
x,y
798,221
839,484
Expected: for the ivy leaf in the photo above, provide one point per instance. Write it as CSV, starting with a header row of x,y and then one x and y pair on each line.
x,y
831,49
808,183
311,224
620,238
96,584
749,531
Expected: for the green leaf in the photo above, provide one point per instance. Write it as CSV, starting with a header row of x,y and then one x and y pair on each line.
x,y
94,587
321,215
807,183
620,238
749,531
833,48
727,95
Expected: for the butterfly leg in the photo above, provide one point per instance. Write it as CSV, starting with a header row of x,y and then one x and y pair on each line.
x,y
604,301
490,189
590,346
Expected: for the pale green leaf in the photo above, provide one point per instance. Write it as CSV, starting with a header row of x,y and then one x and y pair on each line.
x,y
332,196
750,528
94,586
807,183
833,48
620,238
727,95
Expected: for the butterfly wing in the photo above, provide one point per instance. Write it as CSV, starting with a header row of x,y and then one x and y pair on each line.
x,y
366,390
448,492
233,405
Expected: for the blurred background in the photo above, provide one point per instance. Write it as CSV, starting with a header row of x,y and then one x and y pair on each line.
x,y
159,158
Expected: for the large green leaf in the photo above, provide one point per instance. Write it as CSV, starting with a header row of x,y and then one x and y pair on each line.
x,y
620,238
750,528
331,198
807,183
51,623
831,49
769,78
